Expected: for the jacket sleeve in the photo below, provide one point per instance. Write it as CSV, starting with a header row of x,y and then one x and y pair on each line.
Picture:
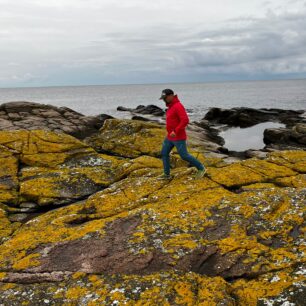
x,y
182,114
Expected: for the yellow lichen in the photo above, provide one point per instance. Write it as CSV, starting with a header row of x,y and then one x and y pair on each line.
x,y
27,262
180,240
75,293
259,222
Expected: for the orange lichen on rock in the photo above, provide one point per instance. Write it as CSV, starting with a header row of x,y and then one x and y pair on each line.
x,y
128,138
129,238
294,159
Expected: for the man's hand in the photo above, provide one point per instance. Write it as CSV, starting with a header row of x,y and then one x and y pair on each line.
x,y
172,134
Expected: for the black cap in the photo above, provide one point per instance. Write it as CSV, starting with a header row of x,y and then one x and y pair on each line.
x,y
166,92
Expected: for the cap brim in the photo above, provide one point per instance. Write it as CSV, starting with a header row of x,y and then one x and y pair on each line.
x,y
162,97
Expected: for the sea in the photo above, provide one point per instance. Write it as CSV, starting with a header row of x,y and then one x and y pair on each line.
x,y
196,97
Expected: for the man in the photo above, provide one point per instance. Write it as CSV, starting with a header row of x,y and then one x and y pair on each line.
x,y
176,122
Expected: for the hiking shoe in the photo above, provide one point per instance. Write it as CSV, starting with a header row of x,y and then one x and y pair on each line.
x,y
165,177
200,173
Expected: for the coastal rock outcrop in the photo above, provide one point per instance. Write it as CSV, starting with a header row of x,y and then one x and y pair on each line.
x,y
105,230
128,138
246,116
286,137
144,110
189,231
33,116
43,169
290,137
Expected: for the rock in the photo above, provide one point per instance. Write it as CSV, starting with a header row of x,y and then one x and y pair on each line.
x,y
231,160
273,135
297,181
248,172
6,227
300,128
50,113
140,118
234,237
123,109
5,124
18,217
256,153
28,207
9,183
246,117
144,110
128,138
284,137
210,133
169,288
291,137
33,116
139,233
293,159
56,168
132,138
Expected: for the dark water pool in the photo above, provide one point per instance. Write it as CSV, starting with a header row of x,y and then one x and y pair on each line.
x,y
241,139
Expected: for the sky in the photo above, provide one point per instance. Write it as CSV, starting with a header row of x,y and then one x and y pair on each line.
x,y
88,42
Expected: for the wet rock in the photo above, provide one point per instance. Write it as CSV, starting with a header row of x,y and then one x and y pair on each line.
x,y
284,137
276,135
300,128
246,117
144,110
140,118
211,133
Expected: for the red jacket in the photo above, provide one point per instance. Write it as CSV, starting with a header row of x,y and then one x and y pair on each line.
x,y
176,120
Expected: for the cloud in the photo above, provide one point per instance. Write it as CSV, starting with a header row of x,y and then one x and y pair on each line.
x,y
272,40
84,42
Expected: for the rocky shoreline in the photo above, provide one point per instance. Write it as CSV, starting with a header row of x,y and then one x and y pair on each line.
x,y
290,137
35,116
84,221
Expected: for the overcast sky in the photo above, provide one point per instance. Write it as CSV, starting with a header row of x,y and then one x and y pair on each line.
x,y
75,42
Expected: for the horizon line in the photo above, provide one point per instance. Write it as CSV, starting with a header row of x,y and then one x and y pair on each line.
x,y
137,84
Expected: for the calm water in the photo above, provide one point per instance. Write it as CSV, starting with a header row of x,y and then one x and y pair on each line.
x,y
240,139
93,100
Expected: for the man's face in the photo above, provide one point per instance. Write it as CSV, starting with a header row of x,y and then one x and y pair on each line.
x,y
168,99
